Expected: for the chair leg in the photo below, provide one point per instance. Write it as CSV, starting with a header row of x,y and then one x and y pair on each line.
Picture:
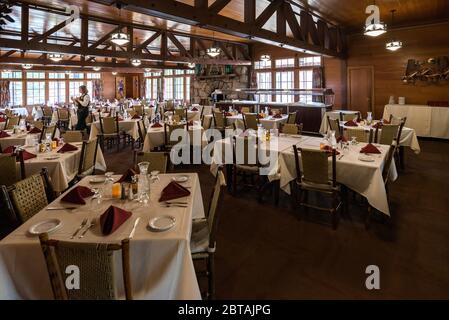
x,y
211,276
234,181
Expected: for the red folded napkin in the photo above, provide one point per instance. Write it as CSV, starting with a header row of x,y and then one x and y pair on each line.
x,y
156,125
136,116
77,195
9,149
385,121
328,149
35,130
2,120
127,176
151,106
112,219
370,148
351,123
4,134
67,147
277,116
342,138
378,125
173,191
194,109
228,114
27,155
190,123
120,119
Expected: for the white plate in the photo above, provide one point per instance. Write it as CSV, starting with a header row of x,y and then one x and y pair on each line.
x,y
180,178
51,158
97,180
366,158
295,136
45,226
162,223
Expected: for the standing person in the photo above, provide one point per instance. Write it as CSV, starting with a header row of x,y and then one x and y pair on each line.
x,y
82,104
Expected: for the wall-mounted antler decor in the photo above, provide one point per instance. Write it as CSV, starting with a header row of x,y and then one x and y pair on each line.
x,y
434,70
5,10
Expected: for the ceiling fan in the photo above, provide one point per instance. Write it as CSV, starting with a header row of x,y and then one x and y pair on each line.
x,y
5,10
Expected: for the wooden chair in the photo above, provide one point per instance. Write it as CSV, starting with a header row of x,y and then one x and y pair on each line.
x,y
360,134
73,136
109,132
47,115
181,113
245,110
38,124
10,174
158,160
221,122
96,264
51,129
289,128
203,239
250,121
168,130
88,158
11,122
206,123
349,116
312,172
388,133
292,118
63,118
29,196
397,120
139,109
334,125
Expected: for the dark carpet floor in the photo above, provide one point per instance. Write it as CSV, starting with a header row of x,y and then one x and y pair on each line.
x,y
269,252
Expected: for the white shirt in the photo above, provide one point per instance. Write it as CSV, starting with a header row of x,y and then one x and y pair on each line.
x,y
84,101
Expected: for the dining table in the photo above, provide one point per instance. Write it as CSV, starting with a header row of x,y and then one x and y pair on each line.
x,y
161,265
269,122
129,126
20,138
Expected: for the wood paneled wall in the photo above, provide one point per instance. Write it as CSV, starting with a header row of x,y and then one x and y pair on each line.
x,y
419,43
109,84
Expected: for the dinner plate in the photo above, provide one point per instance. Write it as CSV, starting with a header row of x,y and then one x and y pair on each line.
x,y
51,158
162,223
45,226
366,158
97,180
180,178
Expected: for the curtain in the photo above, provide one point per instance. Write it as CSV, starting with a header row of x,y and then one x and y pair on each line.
x,y
97,88
317,83
4,93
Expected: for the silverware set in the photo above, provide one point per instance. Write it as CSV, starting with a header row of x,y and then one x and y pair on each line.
x,y
90,226
178,204
86,222
82,225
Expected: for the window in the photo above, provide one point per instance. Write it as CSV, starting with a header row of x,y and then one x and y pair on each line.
x,y
154,88
35,75
262,65
310,61
264,82
77,75
305,82
179,72
35,92
74,88
190,71
90,87
168,72
168,88
11,74
56,92
16,90
284,80
285,63
147,74
93,75
56,75
188,88
148,88
178,88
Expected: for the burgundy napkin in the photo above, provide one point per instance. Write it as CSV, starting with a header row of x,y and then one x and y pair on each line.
x,y
156,125
67,147
34,130
277,116
112,219
358,119
194,109
370,148
173,191
151,106
77,195
2,120
10,149
120,119
351,123
328,149
28,155
127,176
190,123
385,121
136,116
4,134
378,125
228,114
342,138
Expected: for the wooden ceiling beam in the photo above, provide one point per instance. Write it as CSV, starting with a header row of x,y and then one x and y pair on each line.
x,y
179,45
104,38
268,12
218,5
147,42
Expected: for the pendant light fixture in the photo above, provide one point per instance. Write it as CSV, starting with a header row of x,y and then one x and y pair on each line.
x,y
265,57
373,26
27,66
394,44
96,68
213,51
114,73
56,57
68,72
136,62
147,70
191,65
119,38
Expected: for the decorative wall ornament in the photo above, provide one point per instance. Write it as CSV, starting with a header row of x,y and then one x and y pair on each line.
x,y
433,71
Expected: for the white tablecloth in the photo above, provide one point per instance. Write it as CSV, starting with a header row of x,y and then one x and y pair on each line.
x,y
161,263
268,123
364,178
334,114
63,169
427,121
129,126
155,137
20,139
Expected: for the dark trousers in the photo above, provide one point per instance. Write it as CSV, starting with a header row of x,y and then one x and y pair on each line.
x,y
82,114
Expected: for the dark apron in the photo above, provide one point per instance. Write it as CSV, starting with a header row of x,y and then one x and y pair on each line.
x,y
82,114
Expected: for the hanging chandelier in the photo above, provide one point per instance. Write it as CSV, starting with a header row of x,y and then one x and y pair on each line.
x,y
96,68
373,26
114,73
191,65
68,72
265,57
394,44
56,57
213,51
120,38
27,66
136,62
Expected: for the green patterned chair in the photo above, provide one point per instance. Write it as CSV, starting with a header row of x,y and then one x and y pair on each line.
x,y
96,264
250,121
158,160
9,171
73,136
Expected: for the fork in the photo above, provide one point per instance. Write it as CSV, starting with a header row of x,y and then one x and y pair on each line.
x,y
82,225
90,226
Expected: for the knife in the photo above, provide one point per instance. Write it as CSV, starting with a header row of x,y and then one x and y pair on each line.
x,y
136,222
60,208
